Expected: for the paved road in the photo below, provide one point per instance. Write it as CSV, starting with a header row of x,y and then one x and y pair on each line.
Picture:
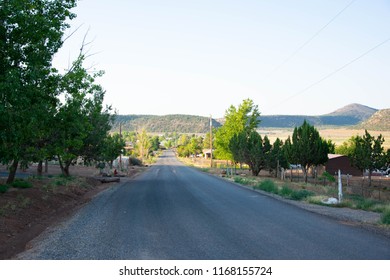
x,y
175,212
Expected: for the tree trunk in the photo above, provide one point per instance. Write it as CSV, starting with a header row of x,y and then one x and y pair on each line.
x,y
46,166
40,168
12,171
65,172
369,178
305,174
64,168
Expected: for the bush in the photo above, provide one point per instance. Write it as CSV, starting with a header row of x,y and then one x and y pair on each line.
x,y
135,161
286,191
241,180
300,195
21,184
385,219
268,186
3,188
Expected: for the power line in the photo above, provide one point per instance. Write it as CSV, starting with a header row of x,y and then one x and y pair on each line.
x,y
336,71
312,37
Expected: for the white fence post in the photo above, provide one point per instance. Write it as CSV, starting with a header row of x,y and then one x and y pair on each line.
x,y
340,188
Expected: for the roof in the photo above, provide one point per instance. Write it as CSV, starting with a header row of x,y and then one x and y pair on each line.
x,y
332,156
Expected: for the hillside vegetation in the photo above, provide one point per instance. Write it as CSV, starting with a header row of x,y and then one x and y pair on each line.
x,y
168,123
379,121
350,115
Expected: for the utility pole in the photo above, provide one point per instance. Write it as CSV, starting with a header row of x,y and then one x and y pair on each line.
x,y
211,141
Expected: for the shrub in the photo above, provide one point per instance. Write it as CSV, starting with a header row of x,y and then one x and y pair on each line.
x,y
135,161
268,186
241,180
286,191
21,184
300,195
3,188
385,219
365,204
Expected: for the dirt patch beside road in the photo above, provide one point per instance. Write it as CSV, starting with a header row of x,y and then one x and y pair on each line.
x,y
25,213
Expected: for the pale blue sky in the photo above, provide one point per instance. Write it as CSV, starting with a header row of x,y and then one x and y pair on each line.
x,y
199,57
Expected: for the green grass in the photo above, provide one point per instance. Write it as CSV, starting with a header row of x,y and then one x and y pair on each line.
x,y
301,194
243,181
21,184
286,192
268,186
385,218
317,194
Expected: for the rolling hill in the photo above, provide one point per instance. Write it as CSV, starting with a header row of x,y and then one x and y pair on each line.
x,y
378,121
350,115
167,123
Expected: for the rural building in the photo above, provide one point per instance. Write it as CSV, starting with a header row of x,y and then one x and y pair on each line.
x,y
207,153
343,163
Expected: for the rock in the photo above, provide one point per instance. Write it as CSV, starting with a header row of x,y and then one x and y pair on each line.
x,y
330,200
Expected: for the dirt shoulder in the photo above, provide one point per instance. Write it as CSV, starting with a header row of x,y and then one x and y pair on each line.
x,y
26,213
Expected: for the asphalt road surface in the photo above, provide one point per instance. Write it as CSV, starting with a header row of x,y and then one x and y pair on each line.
x,y
175,212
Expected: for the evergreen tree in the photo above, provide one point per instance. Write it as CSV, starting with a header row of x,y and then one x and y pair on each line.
x,y
306,148
368,153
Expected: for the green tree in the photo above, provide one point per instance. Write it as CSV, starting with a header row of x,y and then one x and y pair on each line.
x,y
244,118
143,144
347,147
155,143
113,147
306,147
251,149
206,141
368,153
31,33
277,157
331,147
82,122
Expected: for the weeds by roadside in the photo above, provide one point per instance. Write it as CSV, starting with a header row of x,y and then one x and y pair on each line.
x,y
314,194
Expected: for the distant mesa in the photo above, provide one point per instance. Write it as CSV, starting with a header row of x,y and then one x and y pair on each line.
x,y
351,115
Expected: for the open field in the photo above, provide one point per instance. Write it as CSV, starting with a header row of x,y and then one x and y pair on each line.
x,y
337,135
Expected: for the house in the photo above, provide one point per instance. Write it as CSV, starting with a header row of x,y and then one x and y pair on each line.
x,y
207,153
343,163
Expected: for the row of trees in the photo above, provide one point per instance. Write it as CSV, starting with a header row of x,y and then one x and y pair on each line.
x,y
143,144
238,141
45,114
366,152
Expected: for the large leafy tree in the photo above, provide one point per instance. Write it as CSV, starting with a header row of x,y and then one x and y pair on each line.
x,y
82,122
306,147
30,34
368,153
113,147
245,118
